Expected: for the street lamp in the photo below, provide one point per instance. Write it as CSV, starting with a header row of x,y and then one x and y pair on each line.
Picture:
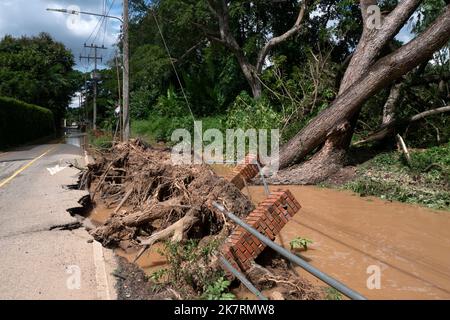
x,y
125,49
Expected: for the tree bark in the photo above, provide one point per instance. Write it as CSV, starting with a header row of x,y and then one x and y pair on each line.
x,y
382,73
391,103
371,43
251,72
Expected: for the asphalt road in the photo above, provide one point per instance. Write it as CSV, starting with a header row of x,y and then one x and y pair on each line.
x,y
38,259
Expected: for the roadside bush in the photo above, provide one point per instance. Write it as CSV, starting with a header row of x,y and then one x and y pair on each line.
x,y
21,122
160,127
171,105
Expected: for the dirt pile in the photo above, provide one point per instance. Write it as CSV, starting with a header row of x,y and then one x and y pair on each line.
x,y
152,200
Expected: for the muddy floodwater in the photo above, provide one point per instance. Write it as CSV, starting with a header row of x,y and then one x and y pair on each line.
x,y
76,138
409,244
353,238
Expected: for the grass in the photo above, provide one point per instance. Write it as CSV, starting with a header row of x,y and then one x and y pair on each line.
x,y
426,182
159,128
100,141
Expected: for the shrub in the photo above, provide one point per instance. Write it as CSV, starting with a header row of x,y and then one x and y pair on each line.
x,y
21,122
160,128
248,113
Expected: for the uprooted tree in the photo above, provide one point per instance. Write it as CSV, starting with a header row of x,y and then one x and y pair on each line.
x,y
329,134
156,201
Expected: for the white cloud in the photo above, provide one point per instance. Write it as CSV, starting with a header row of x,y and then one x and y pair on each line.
x,y
29,17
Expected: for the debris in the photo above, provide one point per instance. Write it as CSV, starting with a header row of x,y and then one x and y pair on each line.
x,y
156,201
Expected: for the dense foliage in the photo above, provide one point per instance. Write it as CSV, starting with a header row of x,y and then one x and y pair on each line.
x,y
38,70
21,122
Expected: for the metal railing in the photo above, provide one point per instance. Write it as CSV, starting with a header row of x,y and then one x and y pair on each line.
x,y
293,258
242,278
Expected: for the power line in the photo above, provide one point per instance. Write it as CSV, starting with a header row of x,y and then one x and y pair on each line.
x,y
173,66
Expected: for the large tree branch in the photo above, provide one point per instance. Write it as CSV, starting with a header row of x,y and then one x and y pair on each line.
x,y
279,39
373,40
382,73
389,128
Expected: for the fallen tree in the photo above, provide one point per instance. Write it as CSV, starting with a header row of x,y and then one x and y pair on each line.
x,y
328,135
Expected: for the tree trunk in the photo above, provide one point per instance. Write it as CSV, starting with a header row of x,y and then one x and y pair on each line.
x,y
219,9
382,73
327,161
369,47
391,103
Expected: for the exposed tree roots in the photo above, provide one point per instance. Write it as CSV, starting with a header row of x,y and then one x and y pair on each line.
x,y
152,200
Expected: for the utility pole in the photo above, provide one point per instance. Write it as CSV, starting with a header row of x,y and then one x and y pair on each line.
x,y
126,74
94,77
126,70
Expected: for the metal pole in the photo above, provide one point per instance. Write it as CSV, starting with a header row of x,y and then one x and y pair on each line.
x,y
75,12
242,278
295,259
266,187
126,75
95,90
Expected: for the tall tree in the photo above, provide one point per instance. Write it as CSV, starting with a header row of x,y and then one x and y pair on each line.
x,y
251,71
38,70
366,75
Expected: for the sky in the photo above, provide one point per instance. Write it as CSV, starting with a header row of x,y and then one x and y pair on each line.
x,y
29,17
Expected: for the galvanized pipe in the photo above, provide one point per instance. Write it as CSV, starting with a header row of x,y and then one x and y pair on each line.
x,y
266,187
295,259
242,278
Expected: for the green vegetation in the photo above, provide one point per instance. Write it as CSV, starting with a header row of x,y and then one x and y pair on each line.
x,y
159,128
21,122
300,243
100,140
189,270
218,290
38,70
332,294
426,182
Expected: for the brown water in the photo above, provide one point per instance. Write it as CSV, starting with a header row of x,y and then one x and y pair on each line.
x,y
410,244
149,262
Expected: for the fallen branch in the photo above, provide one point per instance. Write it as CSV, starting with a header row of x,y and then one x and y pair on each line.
x,y
402,145
390,127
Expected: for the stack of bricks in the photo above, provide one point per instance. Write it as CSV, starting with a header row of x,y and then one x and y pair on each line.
x,y
244,171
271,215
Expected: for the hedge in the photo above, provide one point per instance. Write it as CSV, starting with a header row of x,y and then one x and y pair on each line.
x,y
21,122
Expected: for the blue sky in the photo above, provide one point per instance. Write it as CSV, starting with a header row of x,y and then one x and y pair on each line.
x,y
29,17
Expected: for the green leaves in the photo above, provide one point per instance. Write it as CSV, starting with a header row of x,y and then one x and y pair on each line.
x,y
218,290
300,243
37,70
249,113
21,122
